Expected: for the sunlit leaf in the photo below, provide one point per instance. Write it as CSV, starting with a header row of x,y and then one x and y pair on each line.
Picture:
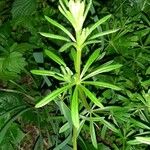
x,y
48,73
102,69
55,58
91,59
53,22
66,46
74,108
98,23
52,96
102,34
54,36
91,96
102,84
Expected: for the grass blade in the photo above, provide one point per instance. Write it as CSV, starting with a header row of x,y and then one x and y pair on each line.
x,y
52,96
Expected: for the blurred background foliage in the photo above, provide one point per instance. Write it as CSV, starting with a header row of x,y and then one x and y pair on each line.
x,y
21,50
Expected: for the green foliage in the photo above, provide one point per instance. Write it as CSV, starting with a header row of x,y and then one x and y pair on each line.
x,y
93,75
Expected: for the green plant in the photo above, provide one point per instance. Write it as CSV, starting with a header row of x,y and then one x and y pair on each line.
x,y
75,88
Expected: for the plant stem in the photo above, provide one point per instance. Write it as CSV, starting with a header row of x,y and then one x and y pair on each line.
x,y
78,64
74,140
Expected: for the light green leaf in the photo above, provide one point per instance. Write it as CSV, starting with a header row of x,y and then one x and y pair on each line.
x,y
66,46
65,111
102,69
139,124
48,73
53,36
108,125
52,96
102,34
74,108
145,140
98,23
88,8
65,127
55,57
91,42
91,96
53,22
91,59
93,135
102,84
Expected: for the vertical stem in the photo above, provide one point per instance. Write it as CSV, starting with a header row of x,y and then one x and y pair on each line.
x,y
74,140
78,70
78,61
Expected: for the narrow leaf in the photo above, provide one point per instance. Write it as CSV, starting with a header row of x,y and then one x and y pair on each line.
x,y
91,59
74,108
110,126
63,144
145,140
55,57
65,127
53,22
5,127
65,47
98,23
139,124
102,69
103,33
91,96
93,135
102,84
52,96
53,36
48,73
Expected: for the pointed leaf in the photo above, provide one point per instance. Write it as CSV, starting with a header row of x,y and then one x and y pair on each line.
x,y
102,84
102,34
93,135
74,108
65,127
53,36
145,140
91,96
91,59
98,23
63,144
48,73
55,57
53,22
52,96
66,46
102,69
109,125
